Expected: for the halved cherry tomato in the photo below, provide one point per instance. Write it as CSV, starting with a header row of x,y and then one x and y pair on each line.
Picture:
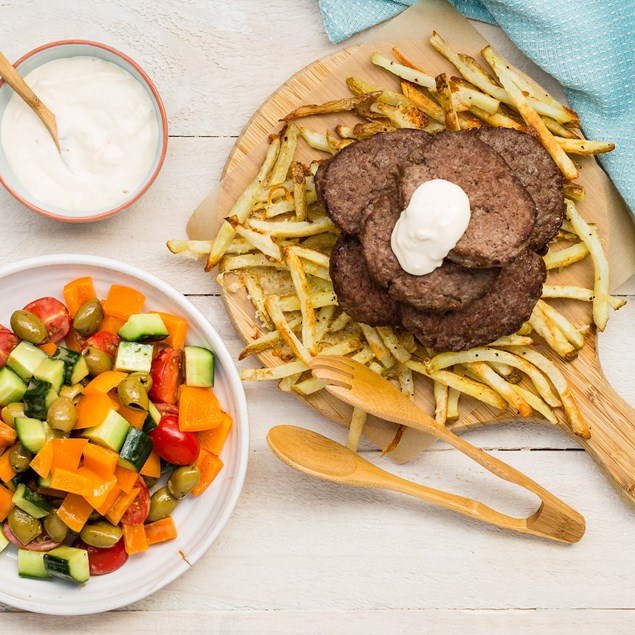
x,y
140,506
8,341
105,342
166,375
74,341
104,560
43,542
54,316
176,447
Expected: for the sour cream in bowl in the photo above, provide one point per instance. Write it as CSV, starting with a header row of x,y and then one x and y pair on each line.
x,y
112,129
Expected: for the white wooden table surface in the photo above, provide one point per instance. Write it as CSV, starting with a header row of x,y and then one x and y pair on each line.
x,y
300,555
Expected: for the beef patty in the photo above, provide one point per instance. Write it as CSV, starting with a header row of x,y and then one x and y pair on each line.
x,y
362,171
503,213
538,173
499,312
356,293
447,287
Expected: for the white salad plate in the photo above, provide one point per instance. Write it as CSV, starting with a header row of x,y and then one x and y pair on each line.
x,y
199,520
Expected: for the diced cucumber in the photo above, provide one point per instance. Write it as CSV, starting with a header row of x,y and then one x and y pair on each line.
x,y
52,371
31,564
199,366
4,541
111,433
143,327
31,502
31,433
135,450
24,359
153,418
37,398
51,433
75,367
69,563
134,357
12,388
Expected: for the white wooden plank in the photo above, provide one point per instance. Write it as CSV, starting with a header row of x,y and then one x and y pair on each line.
x,y
374,622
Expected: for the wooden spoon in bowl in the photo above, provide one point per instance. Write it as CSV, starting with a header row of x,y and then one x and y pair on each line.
x,y
14,79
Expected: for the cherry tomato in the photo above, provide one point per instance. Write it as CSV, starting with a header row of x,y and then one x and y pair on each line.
x,y
172,445
140,506
104,560
43,542
167,409
74,341
166,375
104,341
8,341
54,316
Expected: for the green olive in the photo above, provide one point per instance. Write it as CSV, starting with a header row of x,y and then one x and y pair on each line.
x,y
144,378
73,392
88,318
28,326
55,527
11,411
23,526
62,414
183,480
101,534
162,504
133,394
98,362
19,458
150,481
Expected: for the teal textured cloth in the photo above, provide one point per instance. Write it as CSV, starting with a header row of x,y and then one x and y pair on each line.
x,y
587,45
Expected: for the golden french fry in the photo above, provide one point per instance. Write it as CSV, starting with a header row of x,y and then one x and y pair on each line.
x,y
288,144
406,382
584,147
377,346
358,420
444,95
513,340
423,102
560,384
578,293
301,286
316,140
409,74
365,356
566,257
589,237
317,299
246,261
497,120
551,333
568,330
344,347
573,191
535,402
440,402
401,116
336,105
360,87
292,229
470,96
262,242
267,340
287,335
508,373
342,320
190,248
243,206
527,112
485,354
308,386
363,130
286,383
454,395
278,372
392,343
488,376
299,190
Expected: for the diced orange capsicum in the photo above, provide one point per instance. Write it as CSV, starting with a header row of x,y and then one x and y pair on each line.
x,y
6,471
160,531
134,538
6,502
8,435
67,454
92,410
209,465
177,329
122,302
152,467
198,409
214,439
74,512
78,292
104,382
43,461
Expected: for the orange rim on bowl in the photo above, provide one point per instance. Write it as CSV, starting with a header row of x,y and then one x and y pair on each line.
x,y
164,127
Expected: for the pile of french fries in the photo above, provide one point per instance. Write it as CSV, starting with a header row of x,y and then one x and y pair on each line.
x,y
276,241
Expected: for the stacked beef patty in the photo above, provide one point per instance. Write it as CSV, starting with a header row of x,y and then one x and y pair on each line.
x,y
491,280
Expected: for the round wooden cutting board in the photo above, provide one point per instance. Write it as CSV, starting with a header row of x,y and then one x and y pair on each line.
x,y
611,420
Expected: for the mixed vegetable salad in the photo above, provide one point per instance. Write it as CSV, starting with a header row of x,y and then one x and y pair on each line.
x,y
100,401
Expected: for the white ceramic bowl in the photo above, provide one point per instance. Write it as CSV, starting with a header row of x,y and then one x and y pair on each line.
x,y
71,48
199,520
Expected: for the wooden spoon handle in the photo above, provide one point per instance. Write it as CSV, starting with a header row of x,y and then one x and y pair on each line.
x,y
14,79
554,519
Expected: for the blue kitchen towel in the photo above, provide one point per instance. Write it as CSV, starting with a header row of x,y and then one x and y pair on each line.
x,y
587,45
